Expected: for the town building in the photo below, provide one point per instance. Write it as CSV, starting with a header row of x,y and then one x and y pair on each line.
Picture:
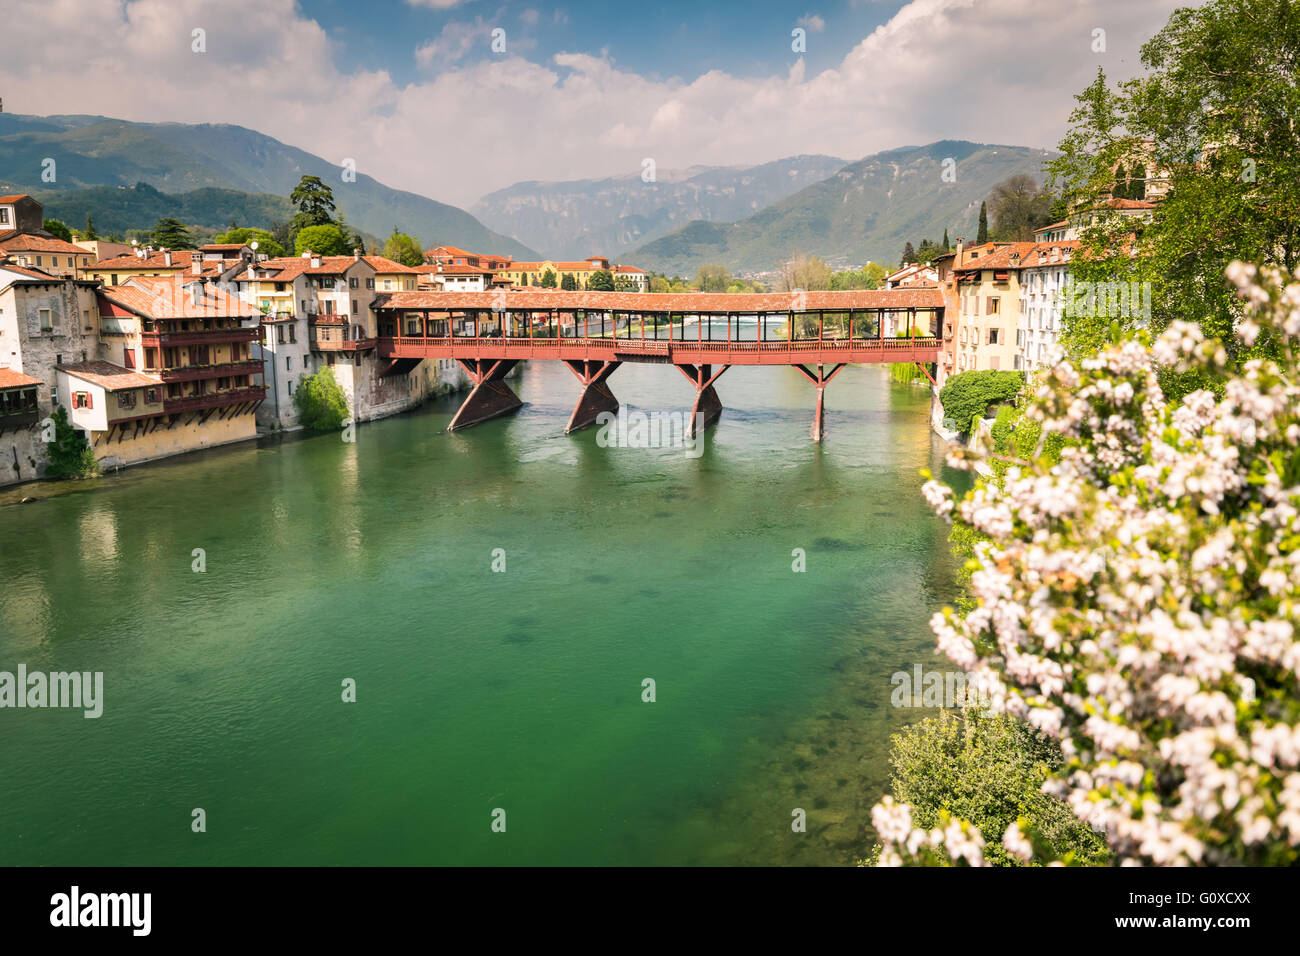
x,y
45,321
175,371
1044,274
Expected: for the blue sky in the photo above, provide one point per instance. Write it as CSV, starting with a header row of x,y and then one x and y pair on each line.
x,y
411,92
659,40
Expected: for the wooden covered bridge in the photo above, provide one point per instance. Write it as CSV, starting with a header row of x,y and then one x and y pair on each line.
x,y
593,333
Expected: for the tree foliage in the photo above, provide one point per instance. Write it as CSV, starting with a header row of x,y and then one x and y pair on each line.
x,y
322,240
988,769
805,273
69,455
314,202
602,280
57,228
966,395
320,401
1018,206
267,244
1214,114
403,248
170,233
1135,599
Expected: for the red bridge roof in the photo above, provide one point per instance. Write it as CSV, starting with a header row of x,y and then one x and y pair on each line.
x,y
691,302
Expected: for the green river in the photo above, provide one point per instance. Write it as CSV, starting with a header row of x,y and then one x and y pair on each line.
x,y
478,690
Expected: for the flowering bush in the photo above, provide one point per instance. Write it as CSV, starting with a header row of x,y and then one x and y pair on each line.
x,y
1136,598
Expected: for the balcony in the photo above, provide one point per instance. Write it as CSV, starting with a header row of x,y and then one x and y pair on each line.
x,y
192,373
23,419
342,345
204,337
255,393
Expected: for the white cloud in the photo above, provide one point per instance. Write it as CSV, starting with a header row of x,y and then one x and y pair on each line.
x,y
454,42
988,70
437,4
812,23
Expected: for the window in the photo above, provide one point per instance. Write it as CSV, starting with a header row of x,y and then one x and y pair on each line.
x,y
47,320
81,400
85,318
354,306
995,336
293,333
288,362
388,283
151,396
994,305
126,399
353,283
128,357
370,283
279,334
4,215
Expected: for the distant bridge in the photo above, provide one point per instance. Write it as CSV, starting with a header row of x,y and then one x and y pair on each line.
x,y
594,333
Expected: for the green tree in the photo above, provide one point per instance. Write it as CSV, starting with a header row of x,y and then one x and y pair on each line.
x,y
1214,114
909,255
170,233
320,401
988,770
966,395
403,248
322,240
713,278
267,244
947,247
982,235
314,202
548,279
58,228
69,455
602,280
569,282
1018,206
89,232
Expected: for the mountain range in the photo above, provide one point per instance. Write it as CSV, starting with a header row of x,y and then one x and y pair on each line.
x,y
865,211
575,219
247,176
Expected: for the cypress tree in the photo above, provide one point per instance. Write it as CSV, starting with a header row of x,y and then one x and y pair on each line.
x,y
983,235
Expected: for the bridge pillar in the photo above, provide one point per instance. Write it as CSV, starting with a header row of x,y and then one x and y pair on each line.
x,y
490,397
596,396
707,403
821,380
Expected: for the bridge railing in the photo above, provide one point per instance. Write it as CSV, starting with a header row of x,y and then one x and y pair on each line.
x,y
664,345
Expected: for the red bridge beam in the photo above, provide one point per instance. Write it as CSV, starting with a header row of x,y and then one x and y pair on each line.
x,y
708,407
491,396
596,396
821,380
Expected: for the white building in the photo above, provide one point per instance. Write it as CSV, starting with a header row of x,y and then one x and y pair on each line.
x,y
1044,272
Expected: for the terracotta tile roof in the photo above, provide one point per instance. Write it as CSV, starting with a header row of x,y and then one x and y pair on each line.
x,y
109,376
12,379
12,199
999,258
387,265
1130,204
171,297
40,275
663,301
288,268
630,269
155,260
222,247
30,242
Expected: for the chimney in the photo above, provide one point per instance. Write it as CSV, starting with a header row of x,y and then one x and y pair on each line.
x,y
167,257
196,266
315,262
957,253
1015,260
356,254
196,294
